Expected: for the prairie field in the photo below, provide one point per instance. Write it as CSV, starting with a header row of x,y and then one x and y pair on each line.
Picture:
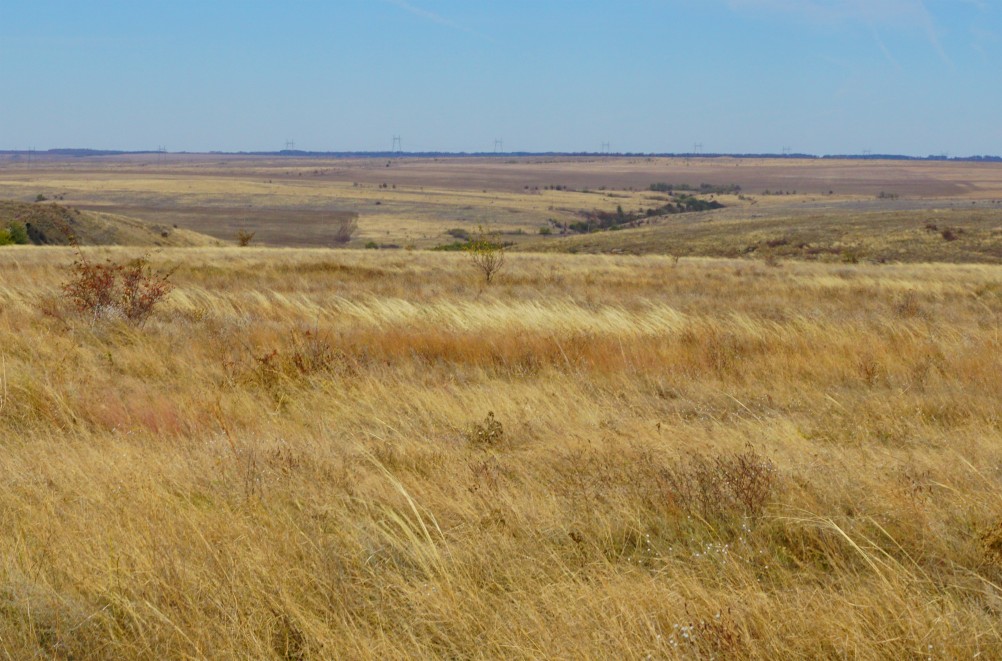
x,y
319,454
414,202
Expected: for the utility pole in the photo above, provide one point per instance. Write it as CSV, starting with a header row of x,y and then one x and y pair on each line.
x,y
398,145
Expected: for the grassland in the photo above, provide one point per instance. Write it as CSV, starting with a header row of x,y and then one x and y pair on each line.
x,y
765,431
415,202
358,454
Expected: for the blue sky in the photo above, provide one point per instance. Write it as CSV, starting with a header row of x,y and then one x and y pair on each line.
x,y
820,76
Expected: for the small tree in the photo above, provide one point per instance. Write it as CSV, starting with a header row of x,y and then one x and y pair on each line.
x,y
244,238
487,253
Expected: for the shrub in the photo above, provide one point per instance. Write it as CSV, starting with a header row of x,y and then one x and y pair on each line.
x,y
705,188
5,238
305,355
109,289
487,253
486,434
18,233
732,483
244,238
850,255
455,246
345,225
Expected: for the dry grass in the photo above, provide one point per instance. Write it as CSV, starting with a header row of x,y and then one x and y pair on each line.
x,y
312,454
960,233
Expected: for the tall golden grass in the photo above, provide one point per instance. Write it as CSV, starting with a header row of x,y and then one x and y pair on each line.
x,y
314,454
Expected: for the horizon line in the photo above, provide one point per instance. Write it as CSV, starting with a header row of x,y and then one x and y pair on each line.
x,y
84,152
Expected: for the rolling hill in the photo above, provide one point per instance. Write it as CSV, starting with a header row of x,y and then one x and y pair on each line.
x,y
955,235
54,224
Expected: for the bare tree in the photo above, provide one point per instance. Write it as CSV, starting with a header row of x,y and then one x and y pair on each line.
x,y
345,226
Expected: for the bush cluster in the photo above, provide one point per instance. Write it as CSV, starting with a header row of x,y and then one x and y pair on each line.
x,y
606,220
109,289
722,189
14,233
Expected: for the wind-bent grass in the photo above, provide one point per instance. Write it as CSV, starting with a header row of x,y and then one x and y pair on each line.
x,y
714,459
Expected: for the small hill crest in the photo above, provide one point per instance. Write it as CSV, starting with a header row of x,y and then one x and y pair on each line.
x,y
55,224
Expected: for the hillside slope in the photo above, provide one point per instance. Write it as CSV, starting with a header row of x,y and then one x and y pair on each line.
x,y
53,224
927,235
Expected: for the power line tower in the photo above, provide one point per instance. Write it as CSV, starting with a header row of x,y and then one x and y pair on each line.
x,y
398,145
161,155
867,152
290,145
697,148
498,146
605,147
786,151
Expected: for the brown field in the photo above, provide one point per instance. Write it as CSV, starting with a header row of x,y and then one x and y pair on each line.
x,y
317,454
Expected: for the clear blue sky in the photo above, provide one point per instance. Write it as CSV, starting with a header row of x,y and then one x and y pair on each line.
x,y
821,76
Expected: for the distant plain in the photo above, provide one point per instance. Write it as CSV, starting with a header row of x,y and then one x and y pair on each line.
x,y
414,202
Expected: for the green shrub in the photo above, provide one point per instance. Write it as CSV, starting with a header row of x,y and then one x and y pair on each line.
x,y
18,233
5,238
455,246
